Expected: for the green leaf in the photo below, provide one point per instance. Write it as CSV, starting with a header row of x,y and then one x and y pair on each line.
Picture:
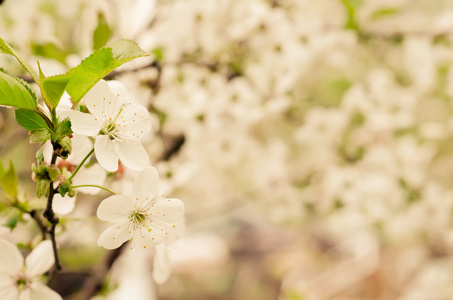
x,y
11,223
16,92
64,188
9,181
39,136
158,53
42,188
124,51
351,7
53,172
49,50
62,129
30,119
6,48
66,147
79,80
382,13
102,32
53,88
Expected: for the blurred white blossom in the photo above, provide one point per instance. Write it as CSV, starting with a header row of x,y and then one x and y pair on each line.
x,y
20,279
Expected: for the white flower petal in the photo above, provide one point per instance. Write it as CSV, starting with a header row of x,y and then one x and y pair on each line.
x,y
63,205
161,264
81,146
119,90
11,261
132,154
10,293
94,175
82,123
105,153
8,288
39,291
145,239
24,295
175,231
134,122
114,236
94,100
168,211
40,259
146,185
115,209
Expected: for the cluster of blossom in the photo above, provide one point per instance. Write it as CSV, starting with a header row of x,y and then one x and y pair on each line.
x,y
141,217
331,121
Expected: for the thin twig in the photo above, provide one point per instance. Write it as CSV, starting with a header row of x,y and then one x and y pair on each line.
x,y
80,165
93,185
50,216
38,221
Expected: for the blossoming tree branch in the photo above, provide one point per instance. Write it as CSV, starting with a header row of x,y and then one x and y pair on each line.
x,y
87,127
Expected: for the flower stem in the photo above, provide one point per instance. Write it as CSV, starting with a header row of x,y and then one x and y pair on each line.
x,y
81,164
93,185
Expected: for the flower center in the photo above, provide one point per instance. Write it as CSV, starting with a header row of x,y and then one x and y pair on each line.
x,y
137,217
22,281
110,126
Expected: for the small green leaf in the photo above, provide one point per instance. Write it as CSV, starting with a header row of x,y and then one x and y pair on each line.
x,y
49,50
6,48
40,157
16,92
382,13
62,129
30,119
66,147
64,188
351,7
42,188
43,92
11,223
9,181
54,86
53,172
102,32
39,136
158,53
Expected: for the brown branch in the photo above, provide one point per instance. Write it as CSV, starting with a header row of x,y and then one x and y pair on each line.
x,y
50,216
39,222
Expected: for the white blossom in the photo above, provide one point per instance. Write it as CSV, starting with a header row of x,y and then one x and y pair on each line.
x,y
118,126
19,278
143,218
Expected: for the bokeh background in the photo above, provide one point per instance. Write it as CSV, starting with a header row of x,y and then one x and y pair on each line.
x,y
311,142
